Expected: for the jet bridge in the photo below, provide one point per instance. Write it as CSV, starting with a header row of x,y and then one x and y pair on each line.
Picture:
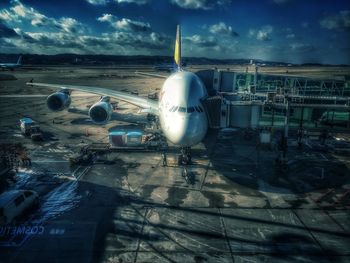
x,y
251,100
234,81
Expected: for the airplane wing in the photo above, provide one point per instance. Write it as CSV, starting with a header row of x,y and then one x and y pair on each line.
x,y
149,105
39,95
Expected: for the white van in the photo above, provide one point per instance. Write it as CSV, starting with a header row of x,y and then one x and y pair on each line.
x,y
14,203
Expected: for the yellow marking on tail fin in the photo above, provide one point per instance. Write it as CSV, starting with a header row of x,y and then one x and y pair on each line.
x,y
177,53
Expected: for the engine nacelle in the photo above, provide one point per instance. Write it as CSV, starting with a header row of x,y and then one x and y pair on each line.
x,y
101,111
59,100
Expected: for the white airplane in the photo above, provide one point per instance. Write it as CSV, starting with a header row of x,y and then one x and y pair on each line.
x,y
11,66
179,109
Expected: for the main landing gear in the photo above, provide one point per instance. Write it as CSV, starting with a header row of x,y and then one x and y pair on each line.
x,y
185,157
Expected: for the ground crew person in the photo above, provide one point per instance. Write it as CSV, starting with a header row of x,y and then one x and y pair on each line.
x,y
165,163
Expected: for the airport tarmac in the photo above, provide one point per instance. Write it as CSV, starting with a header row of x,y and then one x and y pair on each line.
x,y
234,206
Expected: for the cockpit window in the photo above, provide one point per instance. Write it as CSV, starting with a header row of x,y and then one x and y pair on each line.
x,y
182,109
190,109
173,109
199,109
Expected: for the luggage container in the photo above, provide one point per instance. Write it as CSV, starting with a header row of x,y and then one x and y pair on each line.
x,y
134,138
117,138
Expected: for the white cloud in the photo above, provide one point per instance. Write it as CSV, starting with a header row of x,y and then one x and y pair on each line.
x,y
200,4
107,18
22,11
222,29
71,25
132,25
97,2
337,21
118,43
125,23
290,36
139,2
201,41
301,47
49,35
7,16
209,46
192,4
19,13
262,34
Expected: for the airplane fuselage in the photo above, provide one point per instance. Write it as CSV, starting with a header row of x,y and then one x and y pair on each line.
x,y
181,113
10,66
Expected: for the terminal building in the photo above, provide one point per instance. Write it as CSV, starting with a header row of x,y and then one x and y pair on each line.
x,y
251,100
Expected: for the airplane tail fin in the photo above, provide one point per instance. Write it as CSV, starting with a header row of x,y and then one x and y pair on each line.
x,y
19,61
177,53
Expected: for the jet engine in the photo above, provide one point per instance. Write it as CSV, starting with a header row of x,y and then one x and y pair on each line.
x,y
101,111
59,100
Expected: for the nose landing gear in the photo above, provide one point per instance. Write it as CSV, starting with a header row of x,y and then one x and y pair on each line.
x,y
185,157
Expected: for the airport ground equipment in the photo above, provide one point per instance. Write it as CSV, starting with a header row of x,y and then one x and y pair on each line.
x,y
31,128
35,133
25,125
136,140
88,153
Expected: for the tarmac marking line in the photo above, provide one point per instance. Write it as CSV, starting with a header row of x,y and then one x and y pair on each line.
x,y
83,172
205,175
324,157
308,230
223,225
164,233
334,220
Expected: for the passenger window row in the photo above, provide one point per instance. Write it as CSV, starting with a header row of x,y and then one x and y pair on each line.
x,y
183,109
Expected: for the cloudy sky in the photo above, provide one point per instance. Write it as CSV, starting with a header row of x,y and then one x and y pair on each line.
x,y
295,31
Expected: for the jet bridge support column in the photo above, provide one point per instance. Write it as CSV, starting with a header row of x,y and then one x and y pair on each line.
x,y
281,160
286,129
217,80
301,130
255,76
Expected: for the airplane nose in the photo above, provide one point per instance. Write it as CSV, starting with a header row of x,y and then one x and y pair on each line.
x,y
191,131
181,136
